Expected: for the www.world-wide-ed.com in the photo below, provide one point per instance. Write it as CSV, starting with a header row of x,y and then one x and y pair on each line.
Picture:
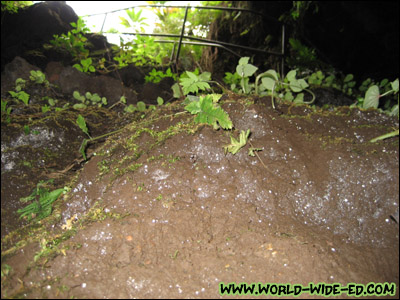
x,y
319,289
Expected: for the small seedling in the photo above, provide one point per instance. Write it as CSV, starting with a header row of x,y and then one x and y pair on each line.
x,y
208,112
82,125
42,205
193,83
24,97
372,95
245,70
156,76
5,111
88,99
38,77
271,82
85,66
236,145
160,101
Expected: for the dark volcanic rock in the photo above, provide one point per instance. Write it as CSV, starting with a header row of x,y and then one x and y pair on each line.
x,y
31,27
18,68
70,80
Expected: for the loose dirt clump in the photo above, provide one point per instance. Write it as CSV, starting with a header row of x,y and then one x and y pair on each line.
x,y
162,212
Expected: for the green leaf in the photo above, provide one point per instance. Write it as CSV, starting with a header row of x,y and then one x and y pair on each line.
x,y
244,60
288,96
79,106
141,106
299,98
82,124
41,208
209,113
176,90
216,97
160,101
78,96
268,83
235,145
291,76
124,22
298,85
395,85
348,78
371,97
269,79
83,147
244,69
205,76
24,97
194,83
130,108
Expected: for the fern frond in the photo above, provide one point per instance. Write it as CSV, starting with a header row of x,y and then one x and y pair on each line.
x,y
209,113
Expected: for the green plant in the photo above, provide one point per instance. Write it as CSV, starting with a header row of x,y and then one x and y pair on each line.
x,y
140,106
13,6
160,101
208,112
235,145
24,97
38,77
88,99
271,82
50,101
156,76
135,21
74,41
192,83
373,95
233,80
82,125
5,111
318,78
41,207
85,66
245,70
141,51
19,84
19,94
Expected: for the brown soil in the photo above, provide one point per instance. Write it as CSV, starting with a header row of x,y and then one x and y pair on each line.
x,y
162,212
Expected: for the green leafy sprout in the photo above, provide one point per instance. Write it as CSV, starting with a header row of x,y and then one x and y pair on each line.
x,y
193,83
88,99
208,112
85,66
74,41
235,145
38,77
156,76
245,70
42,198
271,82
21,95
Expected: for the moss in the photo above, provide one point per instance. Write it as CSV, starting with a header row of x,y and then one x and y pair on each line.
x,y
122,152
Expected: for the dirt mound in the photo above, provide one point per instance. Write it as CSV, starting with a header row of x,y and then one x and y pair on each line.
x,y
162,211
